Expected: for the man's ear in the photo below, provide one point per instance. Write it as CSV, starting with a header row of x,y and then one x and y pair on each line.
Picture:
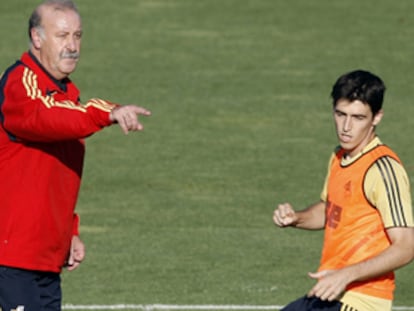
x,y
378,117
36,38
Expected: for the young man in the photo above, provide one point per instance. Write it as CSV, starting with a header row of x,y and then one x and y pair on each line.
x,y
365,208
43,126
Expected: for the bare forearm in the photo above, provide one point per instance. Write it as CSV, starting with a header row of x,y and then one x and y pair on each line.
x,y
331,283
399,254
311,218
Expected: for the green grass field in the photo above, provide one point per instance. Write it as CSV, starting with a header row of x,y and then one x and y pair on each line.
x,y
239,90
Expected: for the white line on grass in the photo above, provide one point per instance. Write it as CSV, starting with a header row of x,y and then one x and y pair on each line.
x,y
163,307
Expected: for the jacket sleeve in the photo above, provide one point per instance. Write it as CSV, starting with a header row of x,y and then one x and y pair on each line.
x,y
76,221
29,114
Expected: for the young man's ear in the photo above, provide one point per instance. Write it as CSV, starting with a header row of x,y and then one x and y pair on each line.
x,y
36,38
378,117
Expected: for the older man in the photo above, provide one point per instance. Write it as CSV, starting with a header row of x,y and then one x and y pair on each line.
x,y
43,126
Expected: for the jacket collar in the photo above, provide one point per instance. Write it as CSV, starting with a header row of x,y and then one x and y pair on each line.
x,y
61,84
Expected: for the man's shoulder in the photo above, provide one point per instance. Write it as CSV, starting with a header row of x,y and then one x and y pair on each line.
x,y
384,151
14,71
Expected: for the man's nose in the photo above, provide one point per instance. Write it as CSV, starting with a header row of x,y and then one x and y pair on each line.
x,y
71,44
347,125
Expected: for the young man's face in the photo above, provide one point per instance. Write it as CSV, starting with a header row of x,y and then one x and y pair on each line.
x,y
355,124
59,41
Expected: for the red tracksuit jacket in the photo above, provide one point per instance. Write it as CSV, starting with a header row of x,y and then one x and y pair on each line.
x,y
42,129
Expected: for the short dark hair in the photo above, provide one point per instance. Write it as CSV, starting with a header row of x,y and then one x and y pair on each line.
x,y
35,19
360,85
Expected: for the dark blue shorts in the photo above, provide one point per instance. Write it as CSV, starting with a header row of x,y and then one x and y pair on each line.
x,y
313,304
29,290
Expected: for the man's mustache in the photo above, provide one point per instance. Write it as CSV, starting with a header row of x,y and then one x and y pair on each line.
x,y
72,55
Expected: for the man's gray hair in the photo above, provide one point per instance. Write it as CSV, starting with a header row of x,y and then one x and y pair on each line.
x,y
57,5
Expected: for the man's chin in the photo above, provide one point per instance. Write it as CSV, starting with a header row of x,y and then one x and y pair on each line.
x,y
347,147
68,69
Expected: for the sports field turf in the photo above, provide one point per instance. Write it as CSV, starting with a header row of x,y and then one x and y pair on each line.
x,y
239,90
